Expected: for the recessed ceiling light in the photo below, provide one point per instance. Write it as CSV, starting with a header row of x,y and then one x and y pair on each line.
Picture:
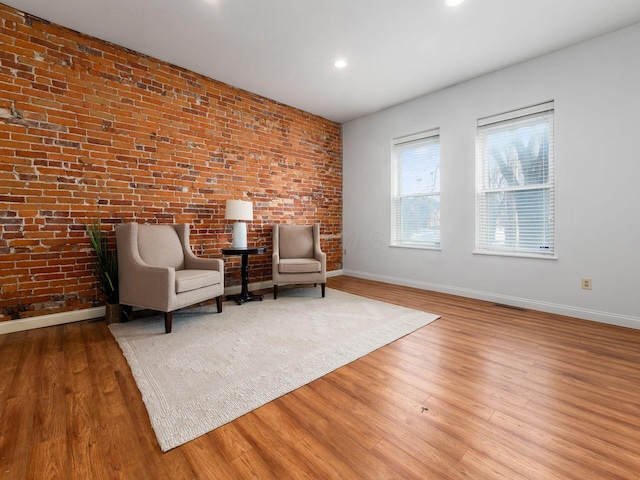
x,y
340,63
453,3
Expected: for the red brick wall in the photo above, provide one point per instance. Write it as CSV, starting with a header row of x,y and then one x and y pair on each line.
x,y
92,130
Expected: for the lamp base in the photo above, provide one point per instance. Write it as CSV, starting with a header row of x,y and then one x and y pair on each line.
x,y
239,235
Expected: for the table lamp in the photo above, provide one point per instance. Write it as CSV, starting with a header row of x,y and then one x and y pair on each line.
x,y
241,211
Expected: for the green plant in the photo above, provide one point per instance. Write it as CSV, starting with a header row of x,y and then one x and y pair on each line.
x,y
106,263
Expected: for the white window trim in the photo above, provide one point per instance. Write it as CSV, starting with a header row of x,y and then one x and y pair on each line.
x,y
518,113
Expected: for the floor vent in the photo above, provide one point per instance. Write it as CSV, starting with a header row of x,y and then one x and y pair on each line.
x,y
512,307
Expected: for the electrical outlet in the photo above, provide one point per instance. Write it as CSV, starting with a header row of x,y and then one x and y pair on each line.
x,y
344,252
586,283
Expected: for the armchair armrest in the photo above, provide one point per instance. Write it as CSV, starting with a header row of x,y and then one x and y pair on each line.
x,y
318,254
321,257
148,286
199,263
155,286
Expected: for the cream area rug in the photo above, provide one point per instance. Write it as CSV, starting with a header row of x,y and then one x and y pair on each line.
x,y
214,367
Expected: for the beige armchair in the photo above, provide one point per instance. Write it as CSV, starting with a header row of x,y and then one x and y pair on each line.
x,y
158,270
297,257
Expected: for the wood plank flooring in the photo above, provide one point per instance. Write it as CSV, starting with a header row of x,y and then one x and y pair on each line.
x,y
482,393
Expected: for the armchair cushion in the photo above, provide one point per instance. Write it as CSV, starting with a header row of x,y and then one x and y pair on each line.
x,y
187,280
299,265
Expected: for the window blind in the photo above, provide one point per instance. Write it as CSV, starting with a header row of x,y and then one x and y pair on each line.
x,y
515,183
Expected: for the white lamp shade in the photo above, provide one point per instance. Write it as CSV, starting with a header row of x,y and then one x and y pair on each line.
x,y
238,210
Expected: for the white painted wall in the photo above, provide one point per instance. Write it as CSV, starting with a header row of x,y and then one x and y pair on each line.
x,y
596,88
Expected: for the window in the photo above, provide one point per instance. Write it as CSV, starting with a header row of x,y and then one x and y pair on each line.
x,y
515,183
415,211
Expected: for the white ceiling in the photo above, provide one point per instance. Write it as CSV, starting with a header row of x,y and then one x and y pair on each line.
x,y
284,49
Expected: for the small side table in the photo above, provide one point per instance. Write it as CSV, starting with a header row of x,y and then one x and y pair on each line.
x,y
245,295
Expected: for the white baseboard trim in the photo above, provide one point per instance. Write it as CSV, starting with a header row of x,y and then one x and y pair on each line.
x,y
567,310
60,318
51,319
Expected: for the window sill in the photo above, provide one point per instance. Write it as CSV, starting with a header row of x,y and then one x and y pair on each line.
x,y
417,247
517,255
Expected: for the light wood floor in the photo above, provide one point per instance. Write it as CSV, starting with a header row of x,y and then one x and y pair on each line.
x,y
482,393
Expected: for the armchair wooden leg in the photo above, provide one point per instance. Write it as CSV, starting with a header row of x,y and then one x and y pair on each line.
x,y
219,303
126,314
168,318
322,285
275,292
